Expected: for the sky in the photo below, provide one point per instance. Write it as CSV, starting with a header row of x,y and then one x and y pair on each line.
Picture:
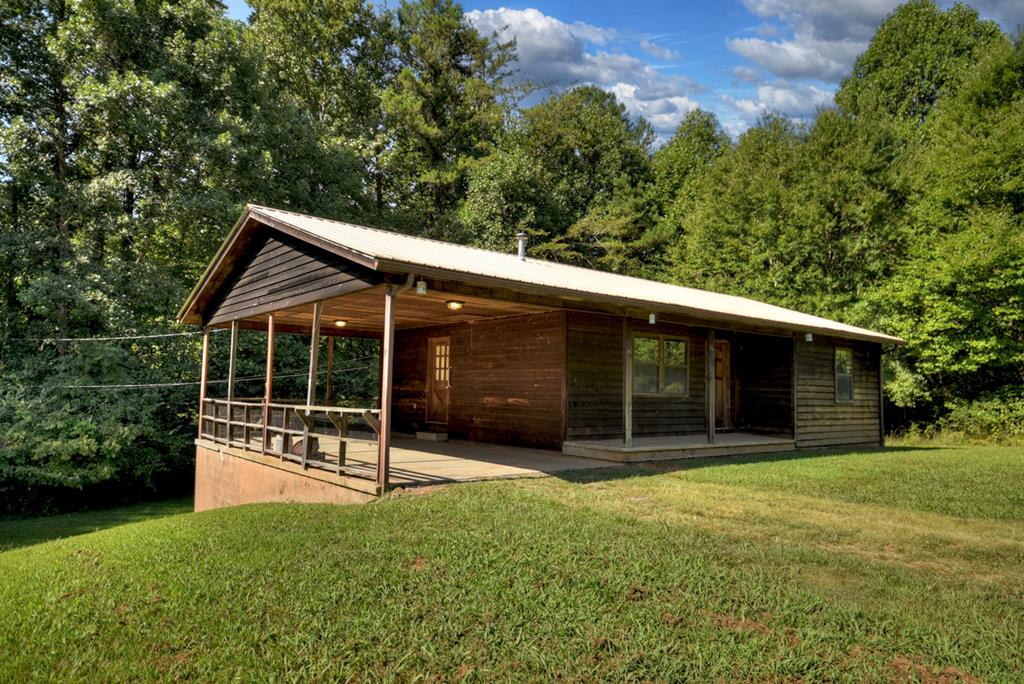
x,y
736,58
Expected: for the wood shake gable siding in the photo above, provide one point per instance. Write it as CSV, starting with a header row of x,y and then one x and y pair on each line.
x,y
279,271
506,379
820,419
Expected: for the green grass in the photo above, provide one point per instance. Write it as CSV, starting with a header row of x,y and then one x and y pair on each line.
x,y
900,565
16,532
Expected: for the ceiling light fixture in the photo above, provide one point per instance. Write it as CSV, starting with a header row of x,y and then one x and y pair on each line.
x,y
340,323
454,304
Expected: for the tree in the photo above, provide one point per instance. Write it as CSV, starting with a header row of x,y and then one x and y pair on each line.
x,y
916,57
444,109
698,142
585,141
959,297
132,135
335,58
740,236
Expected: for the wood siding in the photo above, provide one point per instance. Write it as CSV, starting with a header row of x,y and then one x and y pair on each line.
x,y
593,377
506,379
762,382
279,271
594,382
669,414
821,420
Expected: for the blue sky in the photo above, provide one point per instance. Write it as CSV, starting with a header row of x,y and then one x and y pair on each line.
x,y
736,58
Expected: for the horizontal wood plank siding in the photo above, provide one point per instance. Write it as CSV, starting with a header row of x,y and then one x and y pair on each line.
x,y
821,420
506,379
763,381
594,382
593,377
279,271
668,414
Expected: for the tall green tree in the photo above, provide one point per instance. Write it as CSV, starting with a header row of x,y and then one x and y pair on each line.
x,y
132,135
959,296
445,108
740,236
917,56
335,59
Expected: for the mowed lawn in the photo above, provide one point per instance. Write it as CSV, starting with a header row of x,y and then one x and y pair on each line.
x,y
896,565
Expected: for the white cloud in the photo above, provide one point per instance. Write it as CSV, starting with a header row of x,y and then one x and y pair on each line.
x,y
658,52
744,74
796,100
1009,13
553,53
827,36
801,58
595,34
664,114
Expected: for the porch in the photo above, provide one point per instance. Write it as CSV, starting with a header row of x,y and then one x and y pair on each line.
x,y
415,462
671,447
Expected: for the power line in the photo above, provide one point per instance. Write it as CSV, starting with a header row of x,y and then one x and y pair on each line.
x,y
158,385
108,338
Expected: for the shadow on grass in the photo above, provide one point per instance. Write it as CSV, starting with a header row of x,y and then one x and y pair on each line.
x,y
18,532
647,468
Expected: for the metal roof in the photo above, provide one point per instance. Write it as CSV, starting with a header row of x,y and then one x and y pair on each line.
x,y
398,253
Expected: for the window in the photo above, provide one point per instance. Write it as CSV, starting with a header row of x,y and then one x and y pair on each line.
x,y
844,374
660,365
646,365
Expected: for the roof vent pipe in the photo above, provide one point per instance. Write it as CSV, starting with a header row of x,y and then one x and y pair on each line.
x,y
521,239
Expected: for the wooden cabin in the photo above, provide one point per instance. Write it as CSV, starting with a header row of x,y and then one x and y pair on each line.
x,y
499,365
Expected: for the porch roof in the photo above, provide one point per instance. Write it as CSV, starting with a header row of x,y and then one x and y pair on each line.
x,y
396,253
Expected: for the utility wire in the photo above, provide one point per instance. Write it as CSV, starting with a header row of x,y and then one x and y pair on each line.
x,y
106,339
209,382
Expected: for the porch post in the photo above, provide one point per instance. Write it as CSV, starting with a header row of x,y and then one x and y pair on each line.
x,y
330,370
792,386
387,362
269,378
203,372
627,384
710,392
881,399
232,359
314,360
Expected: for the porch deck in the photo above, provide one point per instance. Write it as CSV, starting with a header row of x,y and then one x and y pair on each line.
x,y
417,462
673,447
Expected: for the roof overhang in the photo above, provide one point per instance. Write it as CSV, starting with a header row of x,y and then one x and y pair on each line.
x,y
560,296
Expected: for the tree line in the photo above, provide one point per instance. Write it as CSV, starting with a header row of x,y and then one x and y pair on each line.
x,y
132,134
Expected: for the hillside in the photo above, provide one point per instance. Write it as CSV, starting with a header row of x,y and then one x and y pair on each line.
x,y
849,567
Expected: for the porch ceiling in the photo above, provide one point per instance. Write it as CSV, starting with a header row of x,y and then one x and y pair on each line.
x,y
363,312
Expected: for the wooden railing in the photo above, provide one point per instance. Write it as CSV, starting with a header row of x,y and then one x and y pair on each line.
x,y
290,431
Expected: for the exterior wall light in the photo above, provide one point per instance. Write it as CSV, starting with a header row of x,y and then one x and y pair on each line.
x,y
652,319
421,287
808,337
454,304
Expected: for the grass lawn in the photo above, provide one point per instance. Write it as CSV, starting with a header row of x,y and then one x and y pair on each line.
x,y
898,565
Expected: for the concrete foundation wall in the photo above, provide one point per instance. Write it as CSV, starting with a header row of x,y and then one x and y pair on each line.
x,y
225,479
